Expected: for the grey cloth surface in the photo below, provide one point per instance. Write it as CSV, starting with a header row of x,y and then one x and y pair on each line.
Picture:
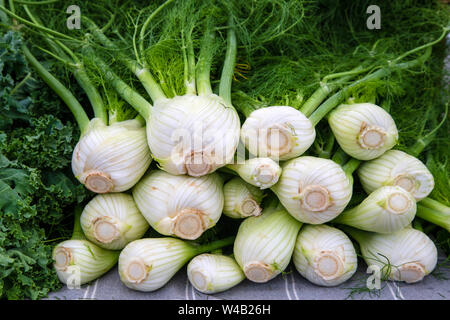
x,y
288,286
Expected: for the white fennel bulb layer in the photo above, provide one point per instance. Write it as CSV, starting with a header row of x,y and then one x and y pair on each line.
x,y
313,190
397,168
192,134
363,130
241,199
148,264
180,206
213,273
111,158
259,172
264,244
277,132
79,261
386,210
113,220
324,255
406,255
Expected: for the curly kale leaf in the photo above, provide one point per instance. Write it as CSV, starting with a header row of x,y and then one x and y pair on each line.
x,y
37,187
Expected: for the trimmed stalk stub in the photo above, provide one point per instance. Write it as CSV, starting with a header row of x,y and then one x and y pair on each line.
x,y
257,271
106,230
279,140
198,164
405,181
250,207
98,182
188,224
136,271
409,272
371,136
315,198
62,257
328,265
200,280
398,203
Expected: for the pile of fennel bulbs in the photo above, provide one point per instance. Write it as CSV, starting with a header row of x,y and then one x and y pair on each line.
x,y
235,168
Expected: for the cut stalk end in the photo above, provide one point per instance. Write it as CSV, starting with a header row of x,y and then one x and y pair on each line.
x,y
371,137
315,198
409,272
398,203
189,224
106,230
406,182
279,140
250,207
328,265
98,182
136,271
200,280
258,271
198,164
63,258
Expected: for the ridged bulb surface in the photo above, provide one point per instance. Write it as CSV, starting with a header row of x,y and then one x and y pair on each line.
x,y
148,264
113,220
193,135
111,158
386,210
397,168
277,132
213,273
180,206
264,245
363,130
79,261
241,199
411,253
313,190
324,255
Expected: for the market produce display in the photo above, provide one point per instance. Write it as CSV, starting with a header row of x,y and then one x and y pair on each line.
x,y
227,139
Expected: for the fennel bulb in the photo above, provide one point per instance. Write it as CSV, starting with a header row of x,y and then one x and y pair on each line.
x,y
324,255
212,273
78,261
148,264
406,255
264,244
192,134
313,190
111,158
259,172
182,206
112,221
277,132
397,168
386,210
363,130
241,199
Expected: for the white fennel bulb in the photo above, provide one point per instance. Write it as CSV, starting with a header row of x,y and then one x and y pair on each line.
x,y
148,264
313,190
113,220
79,261
363,130
277,132
264,244
192,134
111,158
397,168
241,199
386,210
324,255
259,172
213,273
406,255
181,206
